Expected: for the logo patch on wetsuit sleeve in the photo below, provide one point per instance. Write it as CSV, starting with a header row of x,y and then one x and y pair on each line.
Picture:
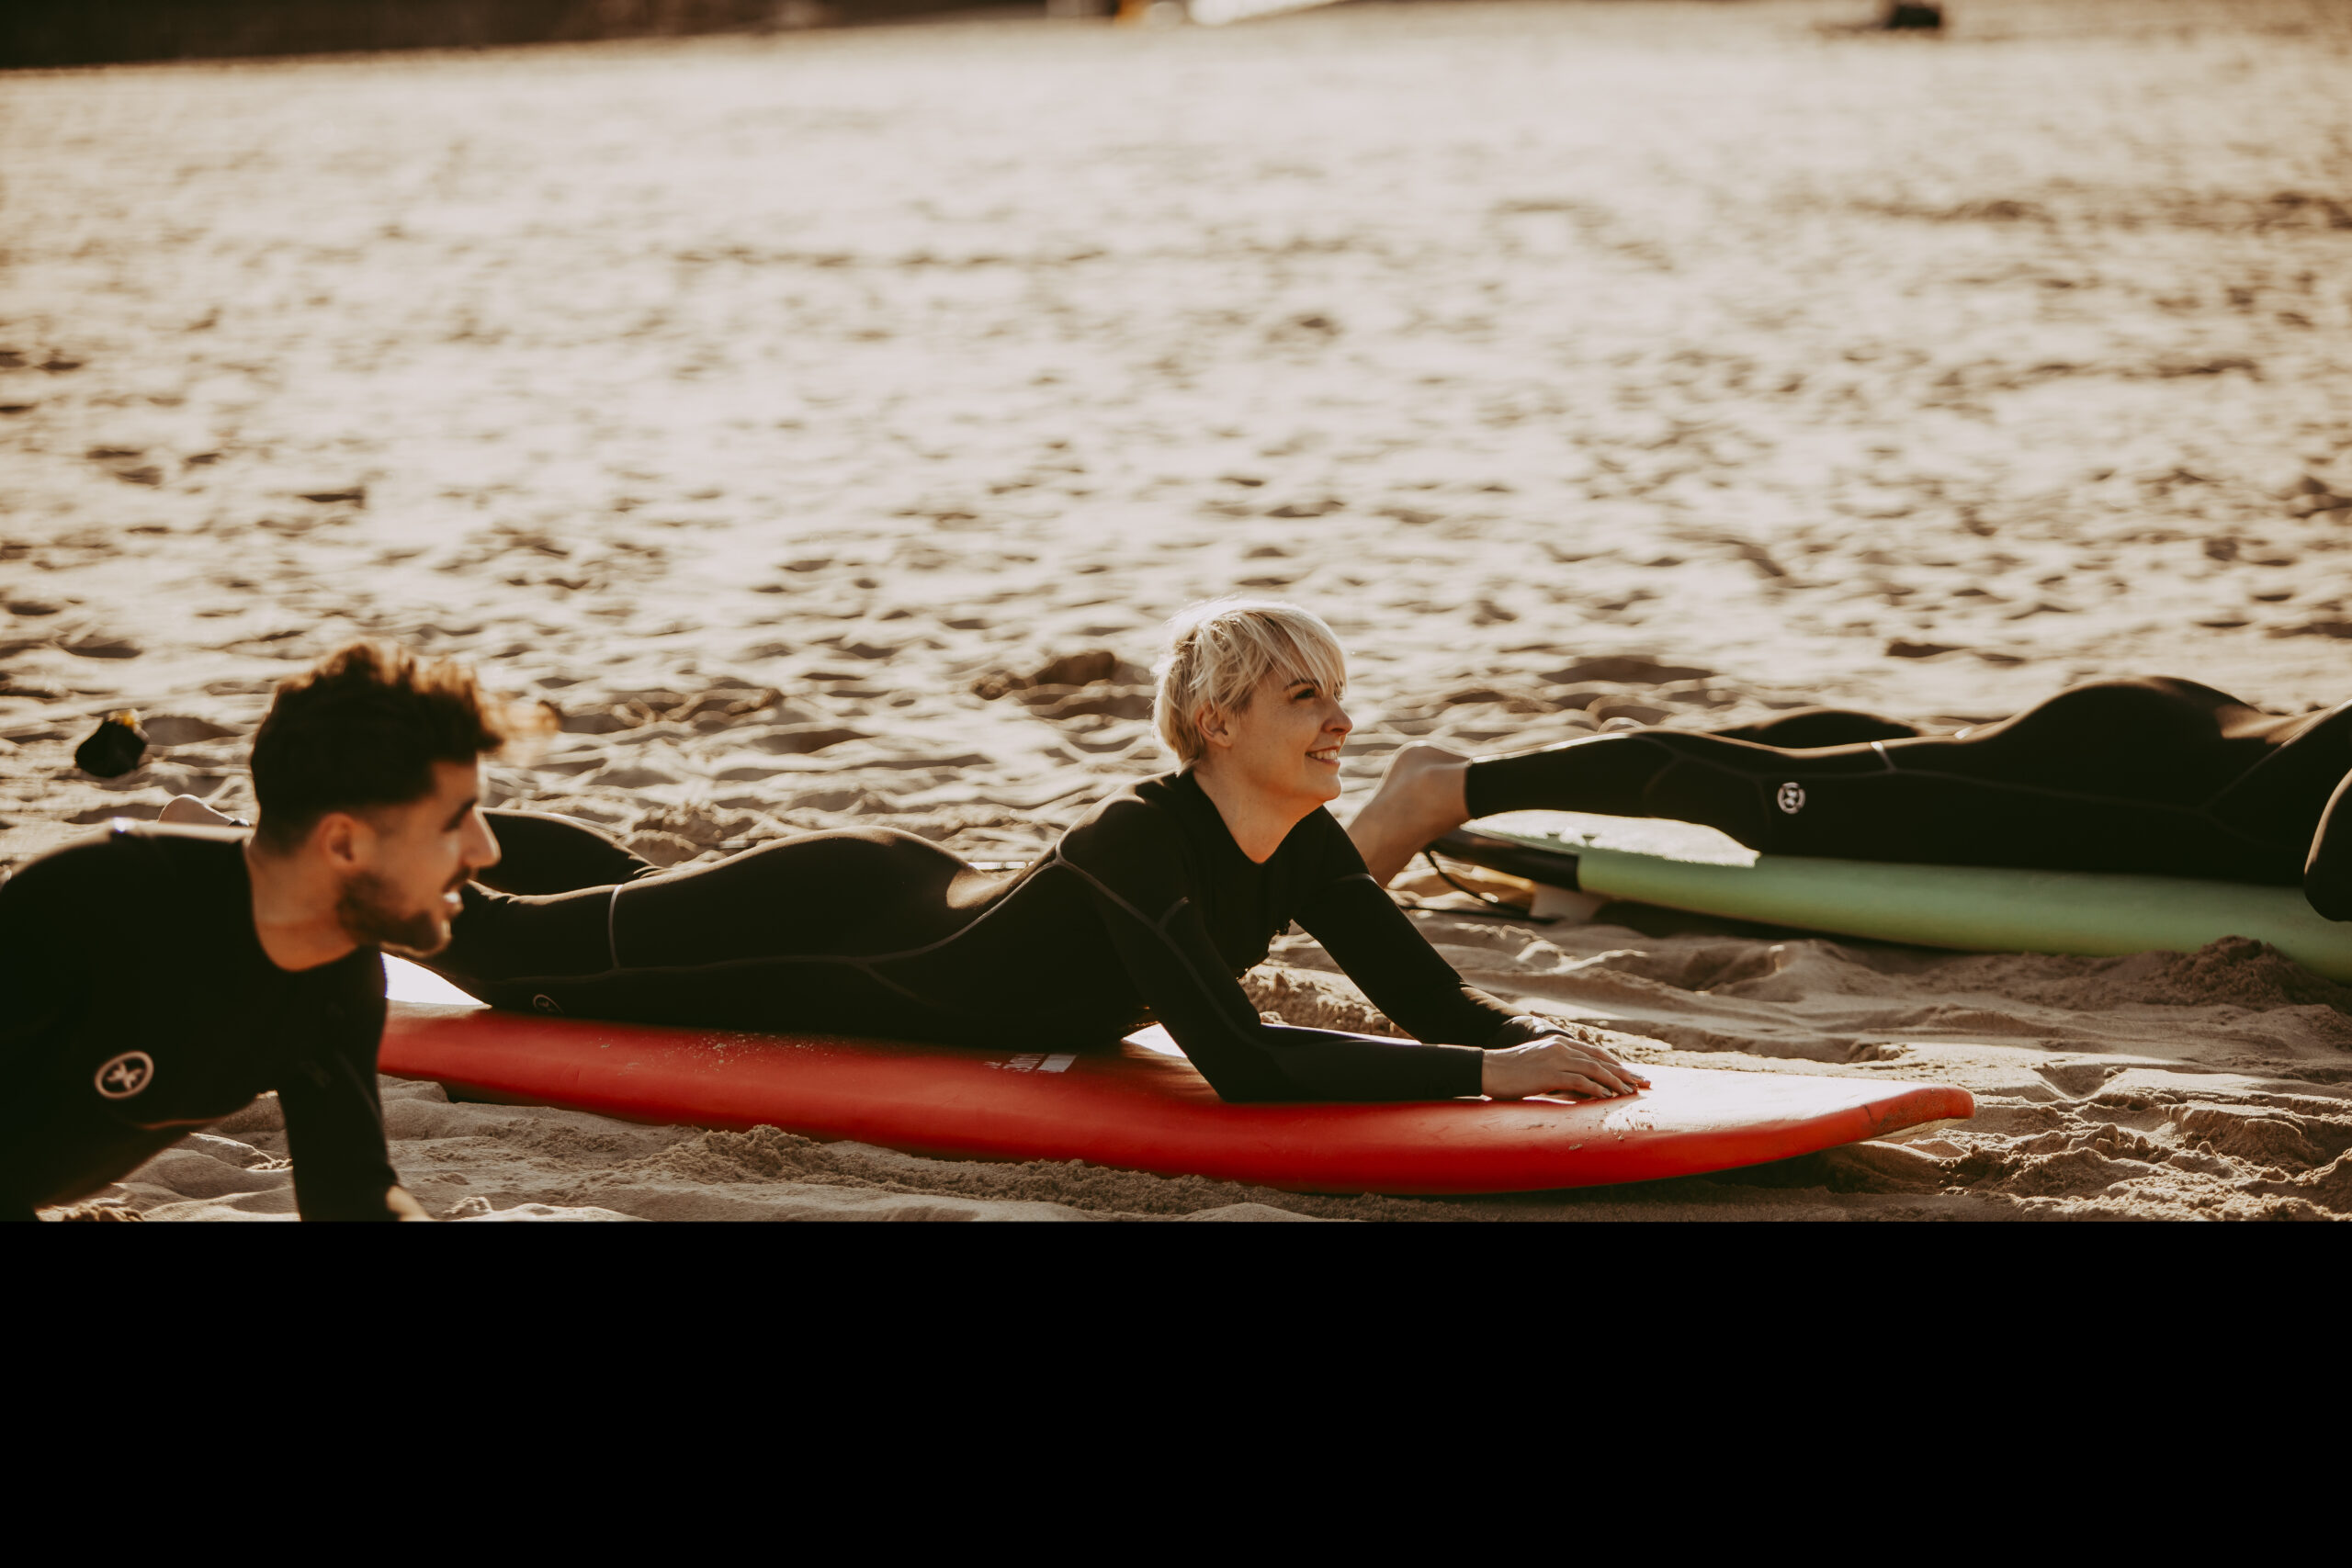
x,y
126,1074
1791,798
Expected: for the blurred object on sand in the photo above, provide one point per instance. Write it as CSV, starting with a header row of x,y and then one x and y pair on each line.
x,y
114,748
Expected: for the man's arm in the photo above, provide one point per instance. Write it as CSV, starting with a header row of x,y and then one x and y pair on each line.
x,y
334,1125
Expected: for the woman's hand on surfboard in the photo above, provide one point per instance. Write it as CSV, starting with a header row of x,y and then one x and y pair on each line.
x,y
1557,1064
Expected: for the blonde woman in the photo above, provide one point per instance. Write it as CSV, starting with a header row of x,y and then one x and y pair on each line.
x,y
1149,907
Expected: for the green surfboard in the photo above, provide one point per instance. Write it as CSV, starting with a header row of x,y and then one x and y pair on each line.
x,y
1976,909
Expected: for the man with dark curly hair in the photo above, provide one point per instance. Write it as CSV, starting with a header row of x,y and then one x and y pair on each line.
x,y
165,975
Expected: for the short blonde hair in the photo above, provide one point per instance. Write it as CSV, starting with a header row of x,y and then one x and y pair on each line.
x,y
1217,652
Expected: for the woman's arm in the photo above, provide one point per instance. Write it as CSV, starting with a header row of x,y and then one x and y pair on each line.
x,y
1139,888
1382,951
1182,978
1375,944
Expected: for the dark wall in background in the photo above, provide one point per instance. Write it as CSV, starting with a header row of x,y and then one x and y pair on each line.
x,y
84,32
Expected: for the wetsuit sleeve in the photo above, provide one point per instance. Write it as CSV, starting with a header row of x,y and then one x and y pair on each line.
x,y
42,909
1137,882
58,1008
2327,874
1361,927
334,1120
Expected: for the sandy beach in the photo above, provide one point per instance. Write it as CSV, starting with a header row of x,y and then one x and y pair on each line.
x,y
797,413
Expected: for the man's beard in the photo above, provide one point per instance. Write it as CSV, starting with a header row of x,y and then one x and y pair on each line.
x,y
365,913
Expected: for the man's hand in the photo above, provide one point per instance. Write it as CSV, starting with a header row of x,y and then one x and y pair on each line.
x,y
402,1206
1557,1064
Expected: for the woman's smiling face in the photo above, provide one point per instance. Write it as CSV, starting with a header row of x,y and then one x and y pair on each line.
x,y
1285,743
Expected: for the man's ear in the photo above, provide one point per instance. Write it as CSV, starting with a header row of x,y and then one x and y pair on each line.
x,y
342,839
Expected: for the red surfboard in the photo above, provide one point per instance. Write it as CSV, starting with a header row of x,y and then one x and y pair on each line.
x,y
1139,1107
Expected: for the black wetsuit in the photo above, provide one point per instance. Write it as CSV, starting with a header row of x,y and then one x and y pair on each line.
x,y
2156,776
142,1006
1145,910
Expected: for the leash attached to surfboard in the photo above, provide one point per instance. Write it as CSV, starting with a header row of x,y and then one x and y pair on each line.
x,y
1496,908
